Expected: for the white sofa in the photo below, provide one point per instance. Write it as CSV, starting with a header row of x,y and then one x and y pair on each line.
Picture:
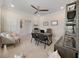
x,y
7,38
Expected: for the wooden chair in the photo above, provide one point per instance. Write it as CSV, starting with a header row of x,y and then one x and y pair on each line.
x,y
35,36
49,30
43,39
0,42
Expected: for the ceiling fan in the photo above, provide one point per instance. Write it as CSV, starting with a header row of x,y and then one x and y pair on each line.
x,y
38,10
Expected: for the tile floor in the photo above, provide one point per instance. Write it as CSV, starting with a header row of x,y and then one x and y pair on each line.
x,y
28,48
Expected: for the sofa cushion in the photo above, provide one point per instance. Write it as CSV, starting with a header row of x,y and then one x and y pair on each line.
x,y
7,38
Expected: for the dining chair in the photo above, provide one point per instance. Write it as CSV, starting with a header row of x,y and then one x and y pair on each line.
x,y
43,39
35,36
49,30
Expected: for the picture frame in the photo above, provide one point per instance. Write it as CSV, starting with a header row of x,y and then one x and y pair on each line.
x,y
54,22
45,23
35,24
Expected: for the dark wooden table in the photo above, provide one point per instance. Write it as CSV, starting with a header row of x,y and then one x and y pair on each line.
x,y
49,35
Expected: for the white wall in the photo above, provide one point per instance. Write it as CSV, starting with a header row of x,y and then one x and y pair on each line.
x,y
0,19
12,21
58,29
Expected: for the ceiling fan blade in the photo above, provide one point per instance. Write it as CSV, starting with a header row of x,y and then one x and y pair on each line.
x,y
36,12
44,10
34,7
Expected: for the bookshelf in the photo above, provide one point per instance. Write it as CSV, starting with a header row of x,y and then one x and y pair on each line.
x,y
71,14
70,32
77,24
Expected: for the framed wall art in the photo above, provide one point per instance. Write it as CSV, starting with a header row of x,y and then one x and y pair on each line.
x,y
54,22
45,23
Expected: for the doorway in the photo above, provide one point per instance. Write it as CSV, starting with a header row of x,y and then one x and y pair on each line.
x,y
26,28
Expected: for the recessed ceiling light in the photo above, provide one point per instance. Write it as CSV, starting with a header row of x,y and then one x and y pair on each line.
x,y
12,5
61,8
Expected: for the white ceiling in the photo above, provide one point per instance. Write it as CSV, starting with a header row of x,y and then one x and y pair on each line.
x,y
24,5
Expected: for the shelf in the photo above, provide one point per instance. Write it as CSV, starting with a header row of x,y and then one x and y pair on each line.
x,y
71,34
70,24
71,13
71,10
70,21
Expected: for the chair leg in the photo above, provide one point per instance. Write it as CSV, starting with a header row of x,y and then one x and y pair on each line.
x,y
45,46
2,46
37,42
31,39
